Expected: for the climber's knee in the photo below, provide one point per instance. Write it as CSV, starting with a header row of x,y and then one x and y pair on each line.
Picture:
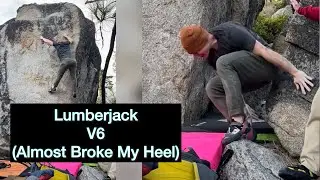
x,y
225,63
214,88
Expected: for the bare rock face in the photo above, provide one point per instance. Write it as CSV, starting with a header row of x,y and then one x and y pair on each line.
x,y
288,109
285,11
28,68
91,173
252,161
108,168
170,75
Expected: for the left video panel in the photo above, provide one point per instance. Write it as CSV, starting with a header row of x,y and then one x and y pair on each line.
x,y
56,52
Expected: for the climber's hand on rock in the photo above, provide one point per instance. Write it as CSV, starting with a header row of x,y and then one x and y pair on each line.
x,y
295,4
302,81
42,39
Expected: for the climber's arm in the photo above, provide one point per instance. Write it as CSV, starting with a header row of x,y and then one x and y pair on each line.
x,y
47,41
274,58
310,12
300,78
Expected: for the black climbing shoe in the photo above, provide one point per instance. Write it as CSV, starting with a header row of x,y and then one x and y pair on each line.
x,y
234,133
74,95
298,172
52,90
238,131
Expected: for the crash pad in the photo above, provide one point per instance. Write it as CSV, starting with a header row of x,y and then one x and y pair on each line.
x,y
72,167
15,168
207,145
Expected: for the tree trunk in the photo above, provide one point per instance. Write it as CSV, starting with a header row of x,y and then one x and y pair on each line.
x,y
104,74
101,35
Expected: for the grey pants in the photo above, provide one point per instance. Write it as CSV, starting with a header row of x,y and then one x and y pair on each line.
x,y
71,65
238,72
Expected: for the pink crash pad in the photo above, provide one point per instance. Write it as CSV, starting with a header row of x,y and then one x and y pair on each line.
x,y
207,145
72,167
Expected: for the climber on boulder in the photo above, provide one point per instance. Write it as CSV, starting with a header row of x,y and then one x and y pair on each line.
x,y
243,62
62,45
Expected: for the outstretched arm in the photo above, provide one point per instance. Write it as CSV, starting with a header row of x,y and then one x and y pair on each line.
x,y
244,40
301,79
274,58
310,12
47,41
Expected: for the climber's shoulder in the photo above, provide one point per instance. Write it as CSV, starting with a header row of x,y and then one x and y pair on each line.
x,y
55,43
227,25
227,28
60,43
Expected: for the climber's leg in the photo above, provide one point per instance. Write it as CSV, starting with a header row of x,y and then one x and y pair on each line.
x,y
216,94
61,71
310,155
73,75
240,72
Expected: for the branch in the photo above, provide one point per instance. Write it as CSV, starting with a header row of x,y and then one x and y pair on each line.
x,y
92,1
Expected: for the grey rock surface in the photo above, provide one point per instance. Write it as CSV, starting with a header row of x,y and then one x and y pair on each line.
x,y
279,44
91,173
269,9
310,2
28,68
304,34
257,99
170,75
252,161
288,109
109,168
286,11
290,127
277,148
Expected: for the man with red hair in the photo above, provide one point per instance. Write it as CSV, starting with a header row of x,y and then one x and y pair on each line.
x,y
243,62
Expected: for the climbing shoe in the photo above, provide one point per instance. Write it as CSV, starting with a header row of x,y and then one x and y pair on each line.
x,y
74,95
233,134
52,90
4,165
248,131
237,131
298,172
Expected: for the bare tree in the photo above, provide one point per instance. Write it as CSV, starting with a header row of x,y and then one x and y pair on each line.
x,y
104,10
106,66
88,1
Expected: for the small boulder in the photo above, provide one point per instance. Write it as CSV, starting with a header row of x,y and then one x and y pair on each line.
x,y
286,11
91,173
109,168
252,161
